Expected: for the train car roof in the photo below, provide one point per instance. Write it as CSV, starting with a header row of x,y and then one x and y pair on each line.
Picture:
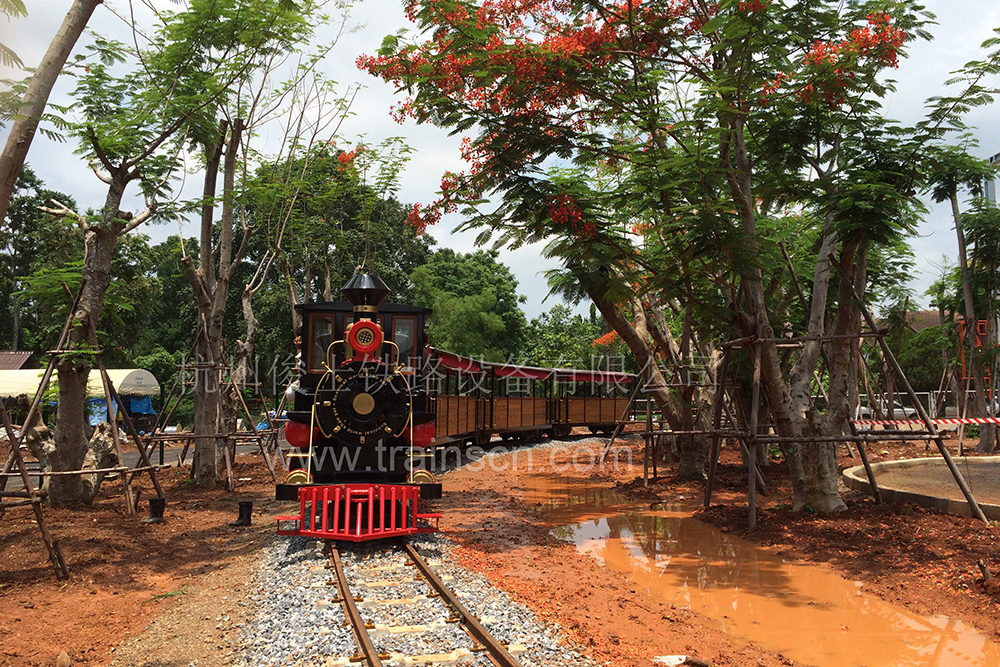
x,y
465,364
344,306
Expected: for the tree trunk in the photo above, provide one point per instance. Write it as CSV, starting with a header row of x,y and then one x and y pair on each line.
x,y
693,451
816,464
814,480
211,287
293,294
37,95
202,279
71,444
15,324
975,363
245,348
327,285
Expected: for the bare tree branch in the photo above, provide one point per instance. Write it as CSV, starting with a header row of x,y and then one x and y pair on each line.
x,y
142,217
63,211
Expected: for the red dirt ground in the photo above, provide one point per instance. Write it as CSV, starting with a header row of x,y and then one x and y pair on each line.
x,y
169,593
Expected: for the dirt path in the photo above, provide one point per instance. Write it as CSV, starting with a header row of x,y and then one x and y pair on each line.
x,y
170,594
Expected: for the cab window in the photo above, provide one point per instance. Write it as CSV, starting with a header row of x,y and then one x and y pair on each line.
x,y
404,334
320,337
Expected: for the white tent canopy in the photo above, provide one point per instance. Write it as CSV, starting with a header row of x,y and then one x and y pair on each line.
x,y
127,381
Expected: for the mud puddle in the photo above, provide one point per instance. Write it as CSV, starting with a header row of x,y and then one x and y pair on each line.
x,y
805,612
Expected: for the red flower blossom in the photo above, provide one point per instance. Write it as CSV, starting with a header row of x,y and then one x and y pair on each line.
x,y
609,338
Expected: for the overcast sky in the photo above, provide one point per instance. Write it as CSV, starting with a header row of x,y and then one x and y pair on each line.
x,y
963,25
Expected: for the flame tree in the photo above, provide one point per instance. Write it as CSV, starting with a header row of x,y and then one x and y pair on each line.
x,y
667,146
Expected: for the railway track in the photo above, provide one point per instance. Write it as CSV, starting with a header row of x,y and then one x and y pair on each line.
x,y
485,644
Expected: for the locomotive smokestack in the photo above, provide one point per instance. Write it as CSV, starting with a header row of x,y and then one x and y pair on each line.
x,y
365,291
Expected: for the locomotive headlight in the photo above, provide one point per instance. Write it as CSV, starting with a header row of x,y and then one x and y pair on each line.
x,y
363,403
365,338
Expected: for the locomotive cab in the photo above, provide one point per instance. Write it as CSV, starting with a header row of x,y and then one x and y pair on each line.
x,y
357,414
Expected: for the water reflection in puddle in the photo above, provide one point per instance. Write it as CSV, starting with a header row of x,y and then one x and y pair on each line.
x,y
805,612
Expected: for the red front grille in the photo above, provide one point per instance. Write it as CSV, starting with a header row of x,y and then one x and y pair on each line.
x,y
358,512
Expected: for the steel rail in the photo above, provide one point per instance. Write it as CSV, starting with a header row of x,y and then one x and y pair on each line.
x,y
371,654
497,651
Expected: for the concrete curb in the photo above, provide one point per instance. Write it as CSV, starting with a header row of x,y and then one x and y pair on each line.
x,y
855,478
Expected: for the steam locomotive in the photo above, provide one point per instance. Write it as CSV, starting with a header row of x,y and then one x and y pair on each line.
x,y
372,403
358,424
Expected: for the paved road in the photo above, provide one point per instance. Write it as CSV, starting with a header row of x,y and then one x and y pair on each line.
x,y
171,454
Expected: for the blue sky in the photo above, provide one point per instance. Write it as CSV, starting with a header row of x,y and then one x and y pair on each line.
x,y
963,25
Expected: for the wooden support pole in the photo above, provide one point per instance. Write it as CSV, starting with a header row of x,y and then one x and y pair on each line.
x,y
752,440
21,494
89,471
864,460
129,499
921,410
47,375
130,429
260,441
720,398
183,454
621,420
647,437
51,543
744,449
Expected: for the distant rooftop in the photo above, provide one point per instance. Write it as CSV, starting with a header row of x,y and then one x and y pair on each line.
x,y
12,361
921,319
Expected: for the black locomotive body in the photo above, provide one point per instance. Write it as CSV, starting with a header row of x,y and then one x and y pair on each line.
x,y
356,421
357,414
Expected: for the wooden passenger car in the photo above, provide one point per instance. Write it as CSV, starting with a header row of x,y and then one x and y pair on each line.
x,y
475,400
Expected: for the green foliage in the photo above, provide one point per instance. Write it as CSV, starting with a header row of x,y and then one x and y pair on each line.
x,y
476,305
560,339
160,363
11,8
170,311
331,211
920,357
199,60
982,236
52,122
46,290
640,112
33,240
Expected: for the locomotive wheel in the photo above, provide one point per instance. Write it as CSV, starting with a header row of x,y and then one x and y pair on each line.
x,y
561,430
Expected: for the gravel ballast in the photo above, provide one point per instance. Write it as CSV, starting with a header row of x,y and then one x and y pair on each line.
x,y
294,621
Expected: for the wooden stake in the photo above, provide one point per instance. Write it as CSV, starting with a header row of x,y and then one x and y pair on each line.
x,y
931,428
645,458
129,500
720,397
864,460
51,543
260,441
752,440
621,420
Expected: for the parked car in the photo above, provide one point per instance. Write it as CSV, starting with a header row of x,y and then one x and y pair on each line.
x,y
898,412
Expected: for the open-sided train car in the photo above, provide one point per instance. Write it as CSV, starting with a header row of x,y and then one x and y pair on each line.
x,y
473,400
373,402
